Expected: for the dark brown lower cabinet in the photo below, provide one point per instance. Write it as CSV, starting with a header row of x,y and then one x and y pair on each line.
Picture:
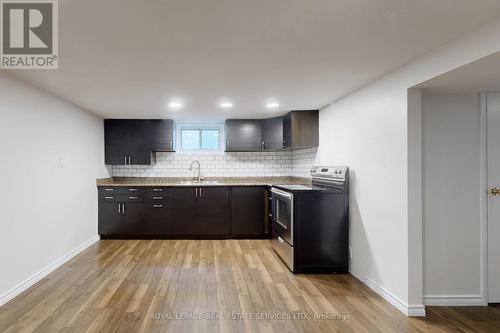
x,y
198,212
248,213
121,219
193,211
212,213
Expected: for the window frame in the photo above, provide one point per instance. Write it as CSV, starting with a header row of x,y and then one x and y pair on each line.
x,y
200,127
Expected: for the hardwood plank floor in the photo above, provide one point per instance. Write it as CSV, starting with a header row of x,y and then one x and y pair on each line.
x,y
174,285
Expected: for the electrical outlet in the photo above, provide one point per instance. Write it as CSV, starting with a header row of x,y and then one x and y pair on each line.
x,y
350,252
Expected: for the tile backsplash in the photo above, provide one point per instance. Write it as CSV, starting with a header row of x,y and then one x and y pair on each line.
x,y
247,164
302,161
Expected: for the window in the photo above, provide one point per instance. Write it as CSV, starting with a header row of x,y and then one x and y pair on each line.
x,y
199,137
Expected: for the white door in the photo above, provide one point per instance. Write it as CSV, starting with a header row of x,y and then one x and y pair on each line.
x,y
493,156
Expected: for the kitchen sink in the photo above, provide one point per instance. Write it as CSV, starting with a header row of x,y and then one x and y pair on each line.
x,y
202,182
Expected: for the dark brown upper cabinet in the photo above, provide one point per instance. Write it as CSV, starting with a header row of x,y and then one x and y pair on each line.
x,y
243,135
295,130
272,133
162,135
132,141
301,129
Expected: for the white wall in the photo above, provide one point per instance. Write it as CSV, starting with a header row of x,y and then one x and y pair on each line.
x,y
46,211
451,219
368,130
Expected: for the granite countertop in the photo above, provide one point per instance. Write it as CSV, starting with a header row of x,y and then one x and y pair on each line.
x,y
221,181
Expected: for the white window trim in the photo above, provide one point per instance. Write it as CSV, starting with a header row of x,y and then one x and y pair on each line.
x,y
180,126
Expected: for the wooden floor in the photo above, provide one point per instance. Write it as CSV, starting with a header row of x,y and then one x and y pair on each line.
x,y
240,285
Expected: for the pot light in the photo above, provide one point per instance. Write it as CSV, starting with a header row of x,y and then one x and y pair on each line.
x,y
226,105
175,105
272,105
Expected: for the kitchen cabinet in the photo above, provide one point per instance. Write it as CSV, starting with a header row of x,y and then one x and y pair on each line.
x,y
178,212
127,142
159,219
121,219
243,135
272,133
116,139
132,141
200,211
212,213
248,211
295,130
162,135
301,129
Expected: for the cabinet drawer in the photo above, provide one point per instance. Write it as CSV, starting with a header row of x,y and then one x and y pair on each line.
x,y
114,190
132,197
158,191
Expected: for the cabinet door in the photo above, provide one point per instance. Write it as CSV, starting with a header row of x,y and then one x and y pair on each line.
x,y
287,130
301,129
133,219
139,148
129,220
159,218
243,135
162,134
212,211
248,211
272,133
183,211
116,139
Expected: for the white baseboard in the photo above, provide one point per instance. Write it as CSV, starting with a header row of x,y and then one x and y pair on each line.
x,y
413,310
10,294
453,300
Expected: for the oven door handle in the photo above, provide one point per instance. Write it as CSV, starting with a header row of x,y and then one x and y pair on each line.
x,y
282,193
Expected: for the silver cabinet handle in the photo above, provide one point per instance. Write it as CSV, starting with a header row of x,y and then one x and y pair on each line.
x,y
263,145
123,208
200,192
119,208
133,189
157,198
129,160
125,160
109,197
109,189
157,206
157,190
133,198
281,240
196,192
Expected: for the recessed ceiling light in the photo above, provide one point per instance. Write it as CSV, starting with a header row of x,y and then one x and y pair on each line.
x,y
272,105
175,105
226,105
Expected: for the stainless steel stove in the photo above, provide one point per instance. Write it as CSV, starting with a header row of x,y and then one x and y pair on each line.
x,y
311,223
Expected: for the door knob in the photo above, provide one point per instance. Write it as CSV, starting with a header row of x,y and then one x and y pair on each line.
x,y
495,191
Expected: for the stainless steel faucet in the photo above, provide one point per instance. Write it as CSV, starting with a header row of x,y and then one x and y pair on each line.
x,y
199,169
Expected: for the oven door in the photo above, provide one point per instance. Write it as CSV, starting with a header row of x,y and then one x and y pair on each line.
x,y
283,214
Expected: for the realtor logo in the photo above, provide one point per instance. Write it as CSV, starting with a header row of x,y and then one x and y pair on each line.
x,y
29,34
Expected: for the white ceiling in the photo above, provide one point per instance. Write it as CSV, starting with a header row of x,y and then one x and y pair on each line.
x,y
480,75
128,58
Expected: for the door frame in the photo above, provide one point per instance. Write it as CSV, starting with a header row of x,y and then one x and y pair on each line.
x,y
483,193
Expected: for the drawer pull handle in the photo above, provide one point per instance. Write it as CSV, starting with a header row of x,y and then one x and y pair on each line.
x,y
281,240
157,190
134,198
133,189
157,198
157,206
109,197
109,189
